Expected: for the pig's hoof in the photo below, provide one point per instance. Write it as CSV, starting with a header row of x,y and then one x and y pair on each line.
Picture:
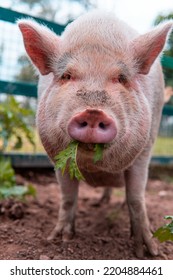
x,y
65,232
105,198
151,247
53,235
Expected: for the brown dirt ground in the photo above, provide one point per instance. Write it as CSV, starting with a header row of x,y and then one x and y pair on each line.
x,y
102,232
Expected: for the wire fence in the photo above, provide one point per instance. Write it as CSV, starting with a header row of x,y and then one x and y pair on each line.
x,y
11,49
16,73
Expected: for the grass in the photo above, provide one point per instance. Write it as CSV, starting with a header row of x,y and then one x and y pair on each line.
x,y
163,146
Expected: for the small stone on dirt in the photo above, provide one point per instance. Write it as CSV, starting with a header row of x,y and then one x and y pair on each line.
x,y
44,257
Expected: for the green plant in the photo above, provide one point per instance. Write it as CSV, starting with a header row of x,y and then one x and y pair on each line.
x,y
8,187
165,232
13,124
68,158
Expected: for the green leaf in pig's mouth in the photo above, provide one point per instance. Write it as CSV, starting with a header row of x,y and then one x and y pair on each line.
x,y
69,157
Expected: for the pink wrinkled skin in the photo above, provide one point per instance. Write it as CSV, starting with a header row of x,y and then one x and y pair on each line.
x,y
100,82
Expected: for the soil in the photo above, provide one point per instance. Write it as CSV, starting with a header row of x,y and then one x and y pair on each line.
x,y
102,231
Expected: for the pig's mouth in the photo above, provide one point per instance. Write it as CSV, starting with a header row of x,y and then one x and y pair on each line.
x,y
91,156
90,147
87,146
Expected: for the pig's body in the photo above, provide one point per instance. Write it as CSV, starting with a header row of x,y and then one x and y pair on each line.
x,y
100,83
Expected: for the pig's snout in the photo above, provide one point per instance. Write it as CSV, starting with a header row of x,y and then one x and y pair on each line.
x,y
92,126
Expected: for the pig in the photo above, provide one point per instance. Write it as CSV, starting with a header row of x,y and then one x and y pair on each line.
x,y
100,82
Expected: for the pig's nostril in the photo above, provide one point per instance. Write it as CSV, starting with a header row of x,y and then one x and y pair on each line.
x,y
83,124
102,125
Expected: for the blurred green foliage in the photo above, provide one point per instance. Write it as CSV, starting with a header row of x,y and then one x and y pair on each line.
x,y
13,124
8,187
165,233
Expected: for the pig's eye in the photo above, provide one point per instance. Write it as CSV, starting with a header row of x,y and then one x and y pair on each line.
x,y
66,77
122,79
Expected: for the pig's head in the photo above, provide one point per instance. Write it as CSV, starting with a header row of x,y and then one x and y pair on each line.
x,y
97,90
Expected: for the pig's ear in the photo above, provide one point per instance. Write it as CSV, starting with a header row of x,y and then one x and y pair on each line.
x,y
147,47
41,44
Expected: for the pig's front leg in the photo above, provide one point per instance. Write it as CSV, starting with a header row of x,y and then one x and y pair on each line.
x,y
136,179
66,219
